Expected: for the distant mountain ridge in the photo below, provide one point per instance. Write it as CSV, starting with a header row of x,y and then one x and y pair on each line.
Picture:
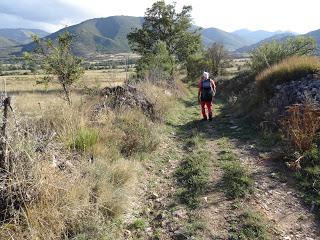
x,y
278,37
109,35
12,37
252,37
99,35
229,40
281,37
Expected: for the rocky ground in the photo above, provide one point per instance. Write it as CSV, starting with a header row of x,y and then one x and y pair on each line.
x,y
160,214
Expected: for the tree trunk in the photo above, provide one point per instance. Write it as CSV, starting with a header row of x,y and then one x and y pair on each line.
x,y
67,93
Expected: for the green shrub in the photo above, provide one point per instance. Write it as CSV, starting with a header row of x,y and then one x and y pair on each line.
x,y
292,68
139,224
248,226
193,176
236,180
271,53
84,139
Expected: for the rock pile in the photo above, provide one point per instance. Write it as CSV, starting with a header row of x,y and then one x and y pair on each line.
x,y
128,96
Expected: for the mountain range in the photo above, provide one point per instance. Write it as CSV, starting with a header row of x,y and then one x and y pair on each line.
x,y
13,37
109,35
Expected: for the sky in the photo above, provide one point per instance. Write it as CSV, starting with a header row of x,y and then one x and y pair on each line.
x,y
298,16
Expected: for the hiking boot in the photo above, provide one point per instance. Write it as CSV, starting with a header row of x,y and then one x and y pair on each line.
x,y
204,119
210,117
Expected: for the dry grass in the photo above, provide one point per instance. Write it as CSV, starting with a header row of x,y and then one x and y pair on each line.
x,y
293,68
301,125
63,181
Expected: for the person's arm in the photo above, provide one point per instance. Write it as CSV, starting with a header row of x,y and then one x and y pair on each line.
x,y
213,85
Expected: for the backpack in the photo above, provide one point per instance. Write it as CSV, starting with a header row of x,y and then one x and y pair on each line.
x,y
207,92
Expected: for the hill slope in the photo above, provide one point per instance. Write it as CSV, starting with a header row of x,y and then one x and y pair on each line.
x,y
316,35
231,41
100,35
19,36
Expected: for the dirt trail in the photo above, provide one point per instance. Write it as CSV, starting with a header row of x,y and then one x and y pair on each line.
x,y
274,198
278,202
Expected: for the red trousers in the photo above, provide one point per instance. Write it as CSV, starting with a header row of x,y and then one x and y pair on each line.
x,y
203,109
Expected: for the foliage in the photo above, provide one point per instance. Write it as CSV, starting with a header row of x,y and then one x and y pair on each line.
x,y
217,56
1,68
301,125
212,60
293,68
158,65
271,53
193,175
85,139
139,224
58,61
162,23
248,226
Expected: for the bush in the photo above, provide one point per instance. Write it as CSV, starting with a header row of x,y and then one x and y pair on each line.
x,y
271,53
293,68
301,125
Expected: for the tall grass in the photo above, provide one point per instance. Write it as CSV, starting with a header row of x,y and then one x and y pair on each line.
x,y
293,68
54,189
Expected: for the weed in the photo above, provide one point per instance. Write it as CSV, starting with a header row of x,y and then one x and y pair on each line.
x,y
248,225
193,175
84,139
236,180
139,224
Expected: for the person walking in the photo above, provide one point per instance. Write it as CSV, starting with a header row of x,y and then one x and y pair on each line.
x,y
207,90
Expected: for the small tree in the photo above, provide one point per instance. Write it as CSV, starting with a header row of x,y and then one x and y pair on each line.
x,y
211,60
57,60
217,56
158,65
274,52
163,24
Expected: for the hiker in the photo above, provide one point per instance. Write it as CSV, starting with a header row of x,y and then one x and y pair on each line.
x,y
207,89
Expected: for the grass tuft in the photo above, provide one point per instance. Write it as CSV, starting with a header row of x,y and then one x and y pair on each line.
x,y
85,139
248,226
237,182
193,176
293,68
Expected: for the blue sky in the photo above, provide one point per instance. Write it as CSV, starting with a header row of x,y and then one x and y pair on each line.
x,y
51,15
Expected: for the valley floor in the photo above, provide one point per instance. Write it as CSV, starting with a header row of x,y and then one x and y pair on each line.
x,y
272,208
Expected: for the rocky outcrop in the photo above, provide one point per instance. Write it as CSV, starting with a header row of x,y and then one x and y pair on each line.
x,y
294,92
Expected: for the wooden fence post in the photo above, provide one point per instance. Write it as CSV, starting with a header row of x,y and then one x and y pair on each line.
x,y
3,140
